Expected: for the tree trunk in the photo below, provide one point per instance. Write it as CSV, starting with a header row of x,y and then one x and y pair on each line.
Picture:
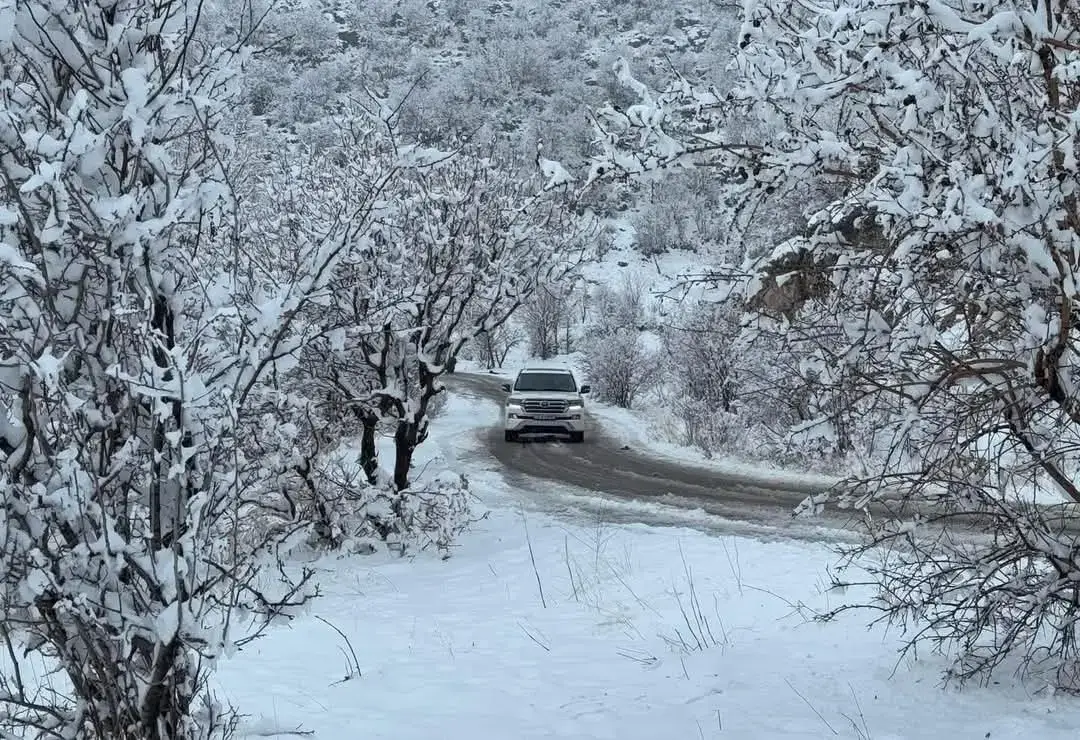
x,y
164,692
405,440
369,453
412,431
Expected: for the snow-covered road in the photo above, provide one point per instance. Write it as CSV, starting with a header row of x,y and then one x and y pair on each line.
x,y
625,484
633,486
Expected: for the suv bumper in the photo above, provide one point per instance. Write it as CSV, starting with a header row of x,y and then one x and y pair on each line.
x,y
556,424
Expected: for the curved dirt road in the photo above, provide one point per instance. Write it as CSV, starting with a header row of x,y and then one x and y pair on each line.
x,y
557,472
608,469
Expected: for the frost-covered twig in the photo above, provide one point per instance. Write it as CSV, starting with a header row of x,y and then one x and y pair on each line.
x,y
354,662
532,558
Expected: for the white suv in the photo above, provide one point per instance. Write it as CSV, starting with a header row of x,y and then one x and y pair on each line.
x,y
545,400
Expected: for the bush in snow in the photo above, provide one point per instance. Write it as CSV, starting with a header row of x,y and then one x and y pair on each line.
x,y
620,368
742,389
492,347
552,309
353,514
613,308
619,365
680,213
945,317
657,230
701,362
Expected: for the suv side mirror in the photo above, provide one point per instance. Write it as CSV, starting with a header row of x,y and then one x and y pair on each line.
x,y
585,389
506,387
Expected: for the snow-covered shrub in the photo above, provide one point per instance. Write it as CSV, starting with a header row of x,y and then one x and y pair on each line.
x,y
658,229
701,360
434,514
552,309
331,480
687,211
620,367
351,514
512,64
729,391
612,308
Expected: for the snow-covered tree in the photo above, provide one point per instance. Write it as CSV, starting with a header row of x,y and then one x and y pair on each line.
x,y
619,365
478,245
458,247
148,325
548,316
295,201
493,347
936,292
621,305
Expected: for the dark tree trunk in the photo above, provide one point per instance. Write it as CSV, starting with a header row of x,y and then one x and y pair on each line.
x,y
369,453
159,705
405,440
410,433
163,324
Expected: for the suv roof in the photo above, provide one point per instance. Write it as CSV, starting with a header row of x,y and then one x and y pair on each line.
x,y
546,370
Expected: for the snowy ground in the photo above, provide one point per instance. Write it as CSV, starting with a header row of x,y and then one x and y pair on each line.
x,y
543,627
663,275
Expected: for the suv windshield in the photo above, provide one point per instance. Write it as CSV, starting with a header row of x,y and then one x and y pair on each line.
x,y
563,382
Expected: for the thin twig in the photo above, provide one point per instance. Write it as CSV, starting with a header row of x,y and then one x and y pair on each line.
x,y
812,707
355,661
532,558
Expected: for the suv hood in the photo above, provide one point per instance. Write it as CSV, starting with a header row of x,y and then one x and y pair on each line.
x,y
551,395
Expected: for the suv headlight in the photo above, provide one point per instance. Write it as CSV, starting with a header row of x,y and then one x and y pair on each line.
x,y
576,404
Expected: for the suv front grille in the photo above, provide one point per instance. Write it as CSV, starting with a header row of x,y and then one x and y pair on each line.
x,y
543,406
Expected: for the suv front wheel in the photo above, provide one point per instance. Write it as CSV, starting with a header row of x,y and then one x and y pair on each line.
x,y
510,436
577,437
